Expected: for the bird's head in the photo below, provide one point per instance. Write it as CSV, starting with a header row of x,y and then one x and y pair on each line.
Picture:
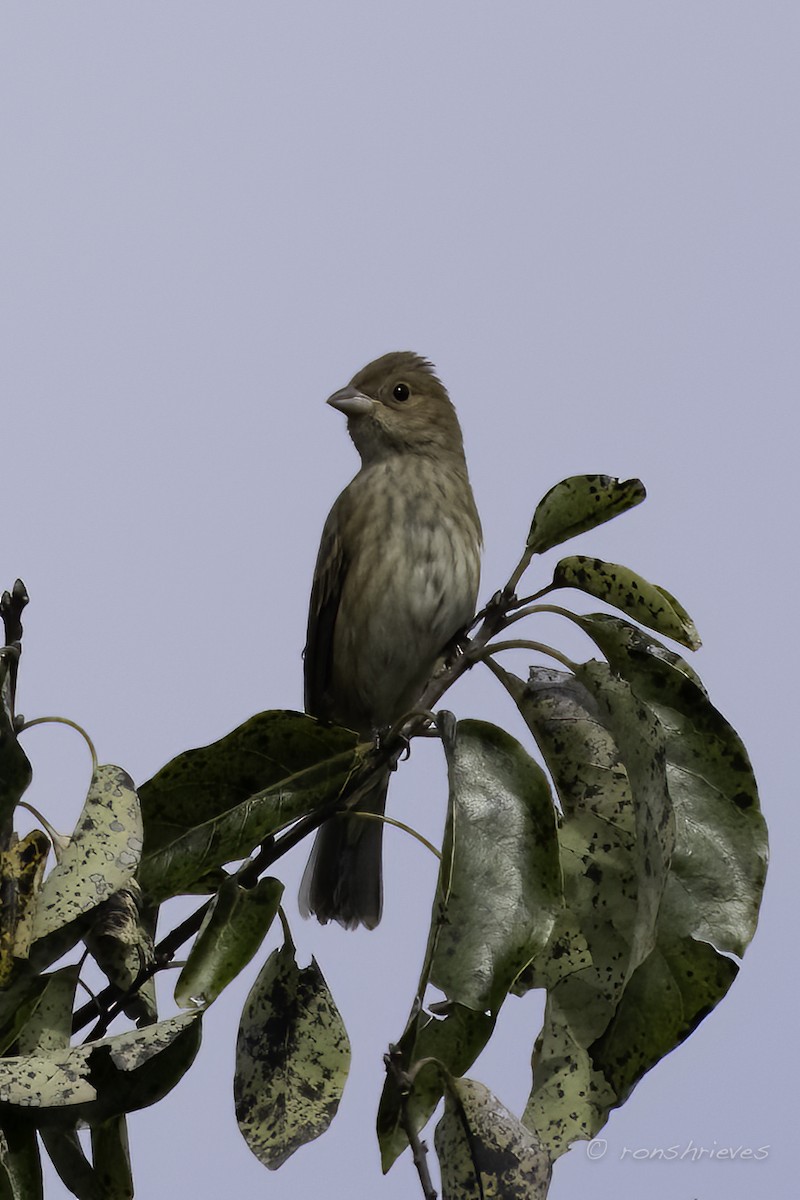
x,y
396,404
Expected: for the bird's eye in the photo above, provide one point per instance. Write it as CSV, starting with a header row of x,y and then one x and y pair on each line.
x,y
401,391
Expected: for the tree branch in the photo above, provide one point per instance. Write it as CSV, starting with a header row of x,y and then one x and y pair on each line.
x,y
393,1062
110,1002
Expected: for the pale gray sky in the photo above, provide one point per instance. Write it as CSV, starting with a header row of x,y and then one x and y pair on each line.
x,y
586,215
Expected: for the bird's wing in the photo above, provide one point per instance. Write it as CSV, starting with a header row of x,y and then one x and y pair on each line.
x,y
326,594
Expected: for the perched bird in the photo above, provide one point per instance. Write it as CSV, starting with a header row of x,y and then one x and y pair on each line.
x,y
396,579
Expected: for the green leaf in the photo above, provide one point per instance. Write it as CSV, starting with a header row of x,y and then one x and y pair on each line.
x,y
624,645
566,953
624,589
73,1167
499,888
499,895
718,867
109,1176
429,1043
650,894
101,1079
605,752
720,858
571,1098
101,857
317,764
200,786
677,986
292,1059
229,937
607,888
579,503
485,1151
112,1160
638,733
48,1025
20,1165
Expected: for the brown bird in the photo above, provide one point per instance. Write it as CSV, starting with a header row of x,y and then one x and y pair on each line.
x,y
396,579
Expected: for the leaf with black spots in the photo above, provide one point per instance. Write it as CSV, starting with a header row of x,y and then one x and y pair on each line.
x,y
102,855
198,787
580,503
100,1079
22,868
622,588
485,1151
212,806
720,856
292,1059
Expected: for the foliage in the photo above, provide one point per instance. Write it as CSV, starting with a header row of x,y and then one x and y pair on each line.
x,y
621,872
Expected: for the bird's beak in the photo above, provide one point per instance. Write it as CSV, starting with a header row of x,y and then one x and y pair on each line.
x,y
351,402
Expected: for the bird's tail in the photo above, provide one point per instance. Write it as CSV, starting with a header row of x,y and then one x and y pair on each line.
x,y
342,880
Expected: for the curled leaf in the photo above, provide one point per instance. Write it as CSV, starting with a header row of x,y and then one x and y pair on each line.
x,y
624,589
120,939
101,857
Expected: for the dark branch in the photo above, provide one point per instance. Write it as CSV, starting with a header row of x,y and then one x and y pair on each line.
x,y
11,606
110,1002
393,1062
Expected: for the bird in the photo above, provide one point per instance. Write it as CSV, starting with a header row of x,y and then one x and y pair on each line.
x,y
396,580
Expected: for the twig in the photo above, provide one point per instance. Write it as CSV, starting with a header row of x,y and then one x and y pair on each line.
x,y
110,1002
393,1062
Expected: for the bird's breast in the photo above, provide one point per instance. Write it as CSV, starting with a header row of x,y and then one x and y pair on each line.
x,y
411,584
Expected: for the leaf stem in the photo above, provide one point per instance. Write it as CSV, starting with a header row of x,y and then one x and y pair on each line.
x,y
72,724
534,595
525,644
59,841
518,572
287,933
531,609
369,816
545,608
